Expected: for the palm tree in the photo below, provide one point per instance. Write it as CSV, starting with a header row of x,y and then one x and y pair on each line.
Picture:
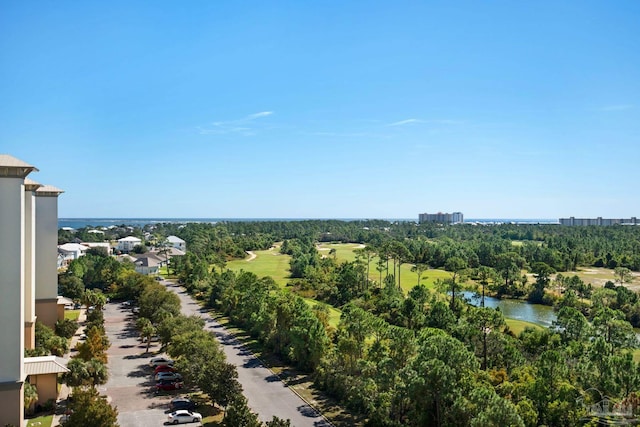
x,y
78,373
30,395
94,298
97,372
147,330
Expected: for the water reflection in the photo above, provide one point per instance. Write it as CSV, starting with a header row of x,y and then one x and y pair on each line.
x,y
542,315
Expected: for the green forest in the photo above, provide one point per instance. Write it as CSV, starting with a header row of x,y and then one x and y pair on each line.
x,y
424,355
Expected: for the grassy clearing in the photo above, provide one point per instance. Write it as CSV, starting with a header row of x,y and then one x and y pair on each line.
x,y
518,326
408,279
72,314
272,263
44,421
266,263
211,416
344,251
595,276
334,313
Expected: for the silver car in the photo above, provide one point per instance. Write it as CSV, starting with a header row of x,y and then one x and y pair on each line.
x,y
170,376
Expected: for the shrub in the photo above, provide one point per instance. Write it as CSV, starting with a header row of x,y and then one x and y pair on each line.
x,y
66,328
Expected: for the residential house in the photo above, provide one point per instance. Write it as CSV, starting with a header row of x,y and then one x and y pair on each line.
x,y
126,244
148,264
177,243
104,245
71,251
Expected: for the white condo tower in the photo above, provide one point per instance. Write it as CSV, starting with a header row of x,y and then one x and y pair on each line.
x,y
12,287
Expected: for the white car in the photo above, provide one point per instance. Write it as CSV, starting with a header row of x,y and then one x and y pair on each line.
x,y
160,361
183,416
169,376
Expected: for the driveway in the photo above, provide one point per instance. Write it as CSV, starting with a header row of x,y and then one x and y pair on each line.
x,y
131,386
266,394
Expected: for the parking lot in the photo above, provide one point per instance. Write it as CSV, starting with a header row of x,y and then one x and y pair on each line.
x,y
131,387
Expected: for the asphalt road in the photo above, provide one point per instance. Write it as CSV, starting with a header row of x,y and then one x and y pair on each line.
x,y
266,394
131,387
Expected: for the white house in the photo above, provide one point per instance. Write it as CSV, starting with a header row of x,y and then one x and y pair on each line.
x,y
126,244
105,245
148,264
177,243
71,251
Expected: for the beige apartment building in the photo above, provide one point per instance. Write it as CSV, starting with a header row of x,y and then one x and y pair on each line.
x,y
28,282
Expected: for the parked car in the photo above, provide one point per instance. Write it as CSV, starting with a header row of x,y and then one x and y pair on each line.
x,y
171,376
164,368
160,361
182,403
167,385
184,416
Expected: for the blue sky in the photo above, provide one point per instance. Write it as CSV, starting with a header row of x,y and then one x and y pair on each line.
x,y
333,109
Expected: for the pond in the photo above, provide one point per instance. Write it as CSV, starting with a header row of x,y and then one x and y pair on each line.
x,y
542,315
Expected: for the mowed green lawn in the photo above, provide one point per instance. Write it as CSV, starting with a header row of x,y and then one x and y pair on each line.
x,y
272,263
334,313
408,279
518,326
344,251
266,263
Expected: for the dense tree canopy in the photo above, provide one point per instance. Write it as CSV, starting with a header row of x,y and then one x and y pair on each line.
x,y
421,358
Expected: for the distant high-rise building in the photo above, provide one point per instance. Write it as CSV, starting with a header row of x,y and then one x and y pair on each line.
x,y
599,221
441,218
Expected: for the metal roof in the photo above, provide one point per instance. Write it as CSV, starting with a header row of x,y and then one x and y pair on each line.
x,y
31,185
148,261
129,239
48,190
44,365
73,247
11,162
64,300
12,167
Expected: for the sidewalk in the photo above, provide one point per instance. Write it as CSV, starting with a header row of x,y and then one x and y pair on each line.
x,y
63,394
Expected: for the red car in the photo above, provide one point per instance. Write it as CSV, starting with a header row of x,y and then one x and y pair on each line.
x,y
164,385
164,368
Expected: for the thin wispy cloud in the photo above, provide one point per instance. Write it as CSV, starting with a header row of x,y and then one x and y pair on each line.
x,y
258,115
405,122
433,122
618,107
245,126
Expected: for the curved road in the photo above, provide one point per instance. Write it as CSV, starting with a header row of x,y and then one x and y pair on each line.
x,y
266,394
